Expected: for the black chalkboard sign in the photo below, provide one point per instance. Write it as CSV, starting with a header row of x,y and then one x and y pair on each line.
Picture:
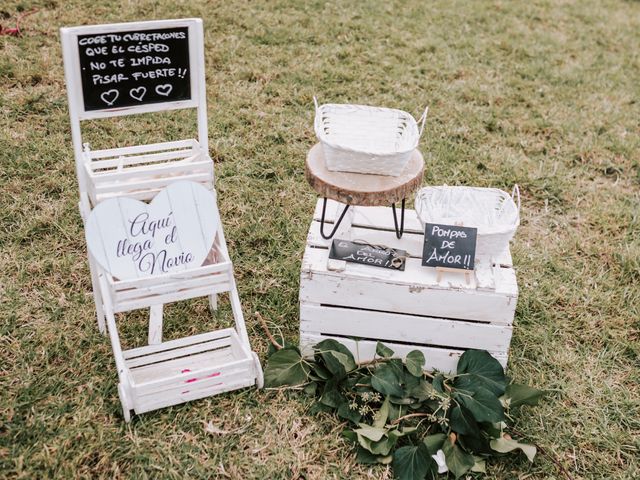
x,y
449,246
375,256
132,68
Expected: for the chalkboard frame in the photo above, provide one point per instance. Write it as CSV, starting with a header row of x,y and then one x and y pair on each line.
x,y
71,56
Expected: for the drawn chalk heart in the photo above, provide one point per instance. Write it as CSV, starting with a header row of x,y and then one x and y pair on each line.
x,y
138,93
164,90
175,232
110,96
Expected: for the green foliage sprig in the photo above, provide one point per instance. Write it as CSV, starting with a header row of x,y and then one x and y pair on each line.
x,y
420,423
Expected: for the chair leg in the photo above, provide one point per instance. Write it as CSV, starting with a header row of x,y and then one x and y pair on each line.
x,y
97,296
241,328
259,374
124,401
155,324
213,302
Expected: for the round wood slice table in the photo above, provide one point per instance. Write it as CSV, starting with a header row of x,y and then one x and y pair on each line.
x,y
362,189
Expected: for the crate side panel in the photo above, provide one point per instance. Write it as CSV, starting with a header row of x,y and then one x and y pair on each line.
x,y
441,359
403,328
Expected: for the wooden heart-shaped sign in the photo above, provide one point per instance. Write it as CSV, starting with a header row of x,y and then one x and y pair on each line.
x,y
175,232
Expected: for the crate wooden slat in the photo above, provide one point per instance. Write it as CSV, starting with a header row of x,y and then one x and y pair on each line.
x,y
404,309
187,369
405,328
140,172
441,359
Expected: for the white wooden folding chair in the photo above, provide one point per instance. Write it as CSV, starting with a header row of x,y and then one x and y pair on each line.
x,y
162,373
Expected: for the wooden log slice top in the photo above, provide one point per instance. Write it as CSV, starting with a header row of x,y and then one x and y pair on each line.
x,y
362,189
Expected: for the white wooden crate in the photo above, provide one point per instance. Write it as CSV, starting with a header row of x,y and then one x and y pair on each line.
x,y
141,172
187,369
404,309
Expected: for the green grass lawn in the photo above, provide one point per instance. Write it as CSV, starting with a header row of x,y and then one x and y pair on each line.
x,y
545,94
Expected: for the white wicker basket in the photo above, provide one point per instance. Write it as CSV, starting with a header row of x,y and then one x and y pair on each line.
x,y
362,139
495,213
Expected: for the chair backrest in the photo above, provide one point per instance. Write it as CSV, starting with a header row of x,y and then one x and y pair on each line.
x,y
131,68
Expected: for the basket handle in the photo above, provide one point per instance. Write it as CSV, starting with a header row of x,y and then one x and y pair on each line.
x,y
422,120
315,102
515,195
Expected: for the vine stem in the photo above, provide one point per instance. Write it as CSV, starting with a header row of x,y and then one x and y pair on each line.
x,y
287,387
267,331
411,415
371,362
545,453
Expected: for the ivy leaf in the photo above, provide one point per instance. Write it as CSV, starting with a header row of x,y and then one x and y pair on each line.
x,y
350,435
383,446
383,351
396,411
517,395
459,462
362,383
271,348
311,389
476,444
478,369
505,445
479,466
387,377
401,400
412,462
493,430
371,433
483,405
321,372
366,457
462,421
331,397
422,390
345,412
286,367
434,442
397,433
337,358
438,383
415,362
383,414
375,440
320,407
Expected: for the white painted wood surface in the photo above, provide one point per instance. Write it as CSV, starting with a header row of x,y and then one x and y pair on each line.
x,y
414,291
187,369
441,359
174,372
162,373
175,232
404,308
155,324
141,173
400,327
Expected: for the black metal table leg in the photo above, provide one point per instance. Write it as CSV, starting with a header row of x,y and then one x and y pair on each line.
x,y
400,231
337,224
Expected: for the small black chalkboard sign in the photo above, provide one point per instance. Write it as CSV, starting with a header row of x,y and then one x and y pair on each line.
x,y
134,68
366,254
449,246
